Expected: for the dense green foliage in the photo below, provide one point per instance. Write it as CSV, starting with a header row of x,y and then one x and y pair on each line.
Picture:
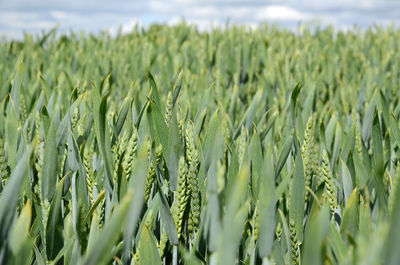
x,y
174,146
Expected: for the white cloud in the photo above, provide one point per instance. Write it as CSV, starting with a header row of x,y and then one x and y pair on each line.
x,y
161,6
186,1
280,13
60,15
24,20
204,11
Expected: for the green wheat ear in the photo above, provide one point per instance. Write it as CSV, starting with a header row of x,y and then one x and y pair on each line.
x,y
358,140
192,156
23,113
151,174
62,164
38,153
163,242
75,116
101,211
256,221
181,120
168,108
119,149
278,231
180,196
87,162
330,191
393,190
309,155
294,244
3,164
225,126
242,143
130,154
135,258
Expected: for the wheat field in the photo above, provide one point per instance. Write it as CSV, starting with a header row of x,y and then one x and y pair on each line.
x,y
170,145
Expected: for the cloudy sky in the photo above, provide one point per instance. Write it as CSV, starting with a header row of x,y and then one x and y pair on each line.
x,y
33,16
